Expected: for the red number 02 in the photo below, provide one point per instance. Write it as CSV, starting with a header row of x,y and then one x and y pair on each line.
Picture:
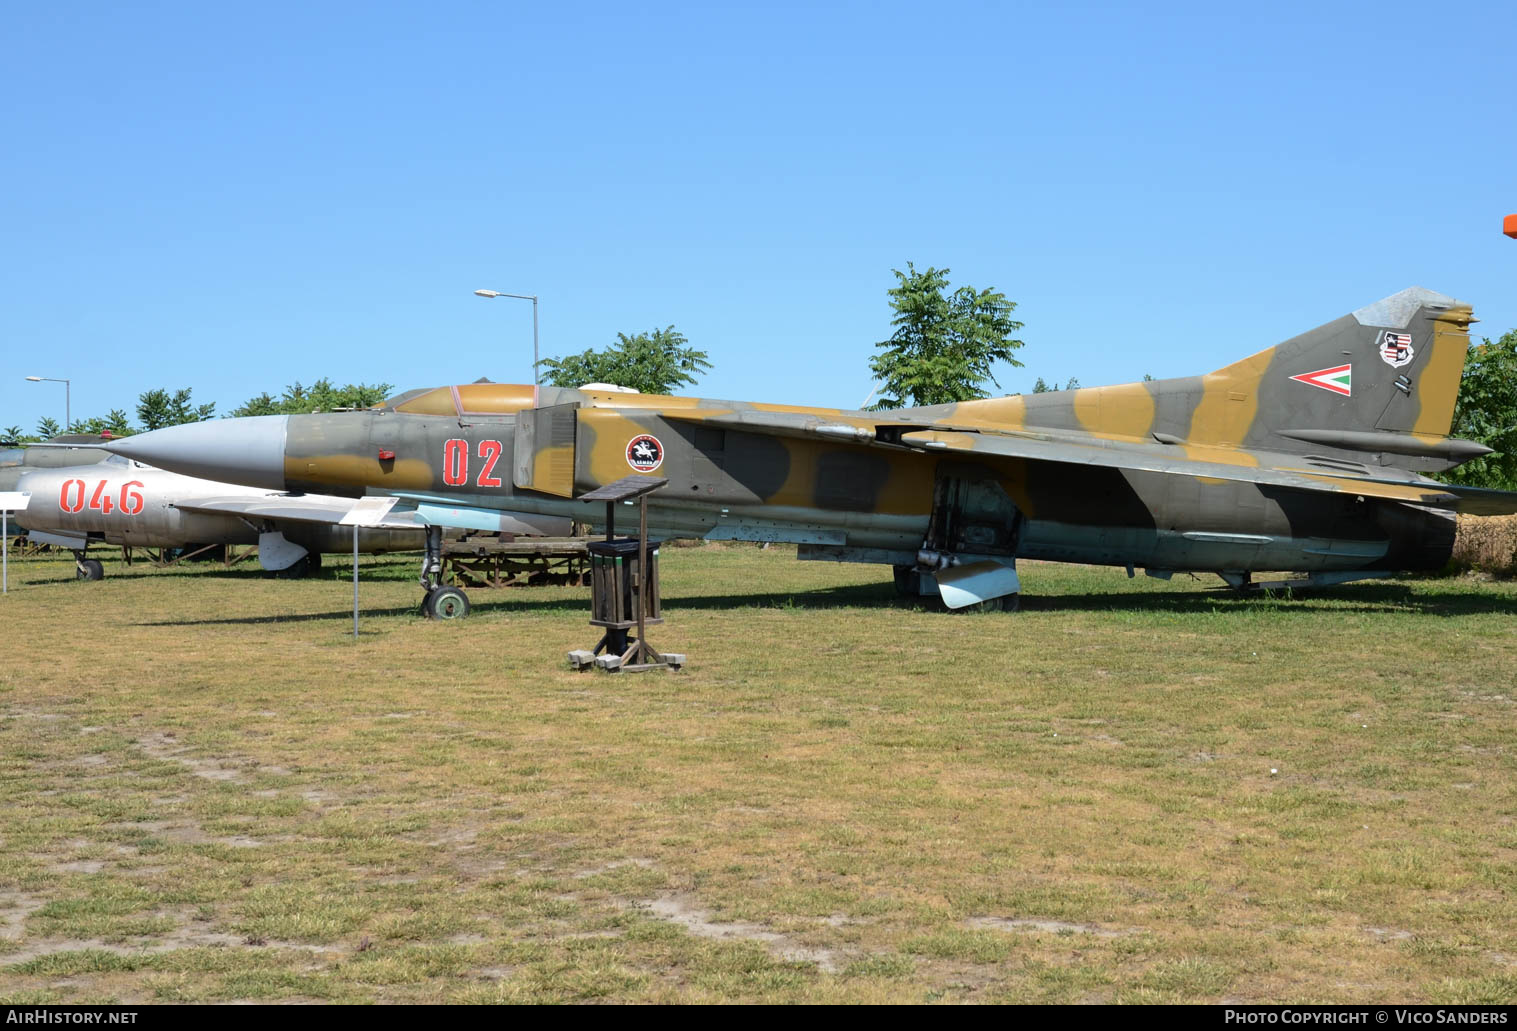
x,y
455,463
489,450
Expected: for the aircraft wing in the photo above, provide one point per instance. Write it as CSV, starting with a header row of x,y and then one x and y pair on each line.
x,y
295,508
1177,460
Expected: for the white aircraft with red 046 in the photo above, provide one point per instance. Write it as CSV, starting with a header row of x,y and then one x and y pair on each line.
x,y
119,501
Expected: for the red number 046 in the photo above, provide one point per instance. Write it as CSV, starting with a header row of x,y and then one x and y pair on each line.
x,y
71,497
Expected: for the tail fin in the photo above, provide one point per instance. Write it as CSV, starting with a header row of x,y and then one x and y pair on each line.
x,y
1375,386
1381,380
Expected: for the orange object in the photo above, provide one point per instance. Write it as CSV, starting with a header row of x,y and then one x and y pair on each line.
x,y
1509,227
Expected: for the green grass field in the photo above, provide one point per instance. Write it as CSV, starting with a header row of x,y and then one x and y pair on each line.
x,y
1130,791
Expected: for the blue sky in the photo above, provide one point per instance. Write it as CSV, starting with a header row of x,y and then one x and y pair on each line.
x,y
231,198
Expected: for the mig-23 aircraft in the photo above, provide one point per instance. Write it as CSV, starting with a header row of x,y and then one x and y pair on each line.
x,y
1304,457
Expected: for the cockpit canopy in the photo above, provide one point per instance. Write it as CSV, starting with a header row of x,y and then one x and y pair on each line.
x,y
466,399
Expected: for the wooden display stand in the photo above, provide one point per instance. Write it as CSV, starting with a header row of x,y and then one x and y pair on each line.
x,y
624,586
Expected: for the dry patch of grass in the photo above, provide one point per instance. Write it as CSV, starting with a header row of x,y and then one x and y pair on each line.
x,y
1129,791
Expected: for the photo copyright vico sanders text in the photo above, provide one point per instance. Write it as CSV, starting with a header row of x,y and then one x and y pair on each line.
x,y
1385,1015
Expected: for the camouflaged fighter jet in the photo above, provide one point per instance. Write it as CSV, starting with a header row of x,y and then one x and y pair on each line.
x,y
82,495
1304,457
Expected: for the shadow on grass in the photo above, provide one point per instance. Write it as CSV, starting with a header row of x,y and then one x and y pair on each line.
x,y
1363,599
216,571
1382,598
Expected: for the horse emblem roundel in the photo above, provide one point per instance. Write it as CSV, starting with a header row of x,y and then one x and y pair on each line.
x,y
645,453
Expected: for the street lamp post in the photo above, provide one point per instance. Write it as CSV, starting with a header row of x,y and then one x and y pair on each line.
x,y
67,420
491,295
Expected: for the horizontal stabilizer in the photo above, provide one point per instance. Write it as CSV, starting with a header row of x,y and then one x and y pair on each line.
x,y
1139,459
1482,501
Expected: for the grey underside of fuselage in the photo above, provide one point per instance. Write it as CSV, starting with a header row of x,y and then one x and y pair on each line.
x,y
1239,528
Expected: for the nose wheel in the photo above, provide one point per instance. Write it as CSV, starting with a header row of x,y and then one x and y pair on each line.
x,y
446,603
441,601
87,568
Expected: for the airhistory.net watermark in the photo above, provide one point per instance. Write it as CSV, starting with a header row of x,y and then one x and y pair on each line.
x,y
64,1016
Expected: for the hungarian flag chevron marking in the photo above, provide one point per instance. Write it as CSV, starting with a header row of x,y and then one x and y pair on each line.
x,y
1338,379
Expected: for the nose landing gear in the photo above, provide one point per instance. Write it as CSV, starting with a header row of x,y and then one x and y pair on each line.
x,y
440,601
87,568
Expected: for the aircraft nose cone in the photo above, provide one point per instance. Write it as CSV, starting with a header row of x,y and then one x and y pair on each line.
x,y
247,451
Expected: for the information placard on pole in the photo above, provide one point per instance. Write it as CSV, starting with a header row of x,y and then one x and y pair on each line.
x,y
10,501
366,512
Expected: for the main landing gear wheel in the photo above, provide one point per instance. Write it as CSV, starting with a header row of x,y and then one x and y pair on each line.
x,y
298,570
88,569
907,582
446,603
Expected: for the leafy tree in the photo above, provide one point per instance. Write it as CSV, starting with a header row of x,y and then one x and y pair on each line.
x,y
47,427
11,433
1040,387
159,408
115,424
263,404
321,396
1487,411
944,344
656,362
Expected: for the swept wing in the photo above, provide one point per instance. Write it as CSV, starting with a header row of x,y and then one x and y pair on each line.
x,y
1264,468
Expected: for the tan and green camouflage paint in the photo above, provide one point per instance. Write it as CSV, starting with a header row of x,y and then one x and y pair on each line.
x,y
765,463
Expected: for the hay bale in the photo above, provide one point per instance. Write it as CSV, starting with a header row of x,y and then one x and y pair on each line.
x,y
1486,543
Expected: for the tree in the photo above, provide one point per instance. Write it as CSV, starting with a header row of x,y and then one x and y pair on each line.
x,y
1041,387
11,433
1487,411
115,423
656,362
157,409
320,396
47,427
264,404
944,344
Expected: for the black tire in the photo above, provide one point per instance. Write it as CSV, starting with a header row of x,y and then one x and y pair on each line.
x,y
447,603
89,569
907,582
301,567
